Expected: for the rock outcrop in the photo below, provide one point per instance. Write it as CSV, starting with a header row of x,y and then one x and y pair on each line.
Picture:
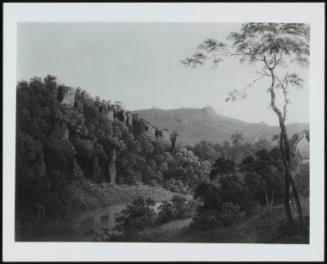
x,y
61,131
130,119
165,135
110,115
157,134
150,131
66,95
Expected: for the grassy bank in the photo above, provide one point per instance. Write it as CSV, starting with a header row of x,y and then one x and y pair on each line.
x,y
265,227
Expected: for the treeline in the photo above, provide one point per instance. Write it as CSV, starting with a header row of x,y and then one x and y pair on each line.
x,y
235,149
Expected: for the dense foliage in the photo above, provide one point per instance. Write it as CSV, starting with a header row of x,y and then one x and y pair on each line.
x,y
59,143
136,217
236,150
178,208
144,213
237,189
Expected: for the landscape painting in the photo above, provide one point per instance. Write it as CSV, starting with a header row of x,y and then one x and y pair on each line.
x,y
162,132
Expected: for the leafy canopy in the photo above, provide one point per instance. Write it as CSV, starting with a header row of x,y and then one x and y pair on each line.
x,y
256,42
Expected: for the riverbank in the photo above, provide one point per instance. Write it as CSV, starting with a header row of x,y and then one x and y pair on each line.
x,y
109,194
86,199
264,227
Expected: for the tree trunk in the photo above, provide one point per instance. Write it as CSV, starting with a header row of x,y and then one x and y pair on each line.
x,y
266,199
287,176
284,148
96,169
285,153
112,167
287,150
272,199
298,203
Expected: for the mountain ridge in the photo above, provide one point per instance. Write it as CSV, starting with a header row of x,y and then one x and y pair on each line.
x,y
196,124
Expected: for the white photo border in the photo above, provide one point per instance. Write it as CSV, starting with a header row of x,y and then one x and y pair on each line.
x,y
312,13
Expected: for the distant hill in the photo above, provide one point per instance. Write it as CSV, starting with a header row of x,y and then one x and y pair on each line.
x,y
194,125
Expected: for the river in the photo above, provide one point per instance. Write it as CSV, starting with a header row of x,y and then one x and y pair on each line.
x,y
74,228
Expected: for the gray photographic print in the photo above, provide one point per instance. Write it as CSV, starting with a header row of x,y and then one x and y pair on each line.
x,y
162,132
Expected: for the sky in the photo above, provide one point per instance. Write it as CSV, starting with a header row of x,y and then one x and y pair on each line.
x,y
140,65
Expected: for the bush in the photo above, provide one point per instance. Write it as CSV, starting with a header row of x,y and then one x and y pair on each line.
x,y
301,180
214,210
176,186
209,196
230,213
183,207
135,217
211,218
166,213
233,190
206,219
178,208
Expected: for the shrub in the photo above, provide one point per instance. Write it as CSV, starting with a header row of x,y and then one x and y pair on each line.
x,y
215,209
211,218
230,213
209,196
206,219
233,190
176,186
135,217
301,179
166,213
178,208
183,207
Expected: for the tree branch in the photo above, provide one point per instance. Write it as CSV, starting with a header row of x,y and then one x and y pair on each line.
x,y
284,89
232,96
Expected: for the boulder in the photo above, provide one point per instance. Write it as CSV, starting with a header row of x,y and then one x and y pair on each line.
x,y
165,135
150,131
110,115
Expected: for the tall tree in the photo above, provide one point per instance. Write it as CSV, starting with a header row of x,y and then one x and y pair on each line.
x,y
273,47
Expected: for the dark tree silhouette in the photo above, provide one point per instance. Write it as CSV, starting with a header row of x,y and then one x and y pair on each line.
x,y
222,167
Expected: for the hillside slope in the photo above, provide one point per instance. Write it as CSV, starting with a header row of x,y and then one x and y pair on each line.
x,y
194,125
